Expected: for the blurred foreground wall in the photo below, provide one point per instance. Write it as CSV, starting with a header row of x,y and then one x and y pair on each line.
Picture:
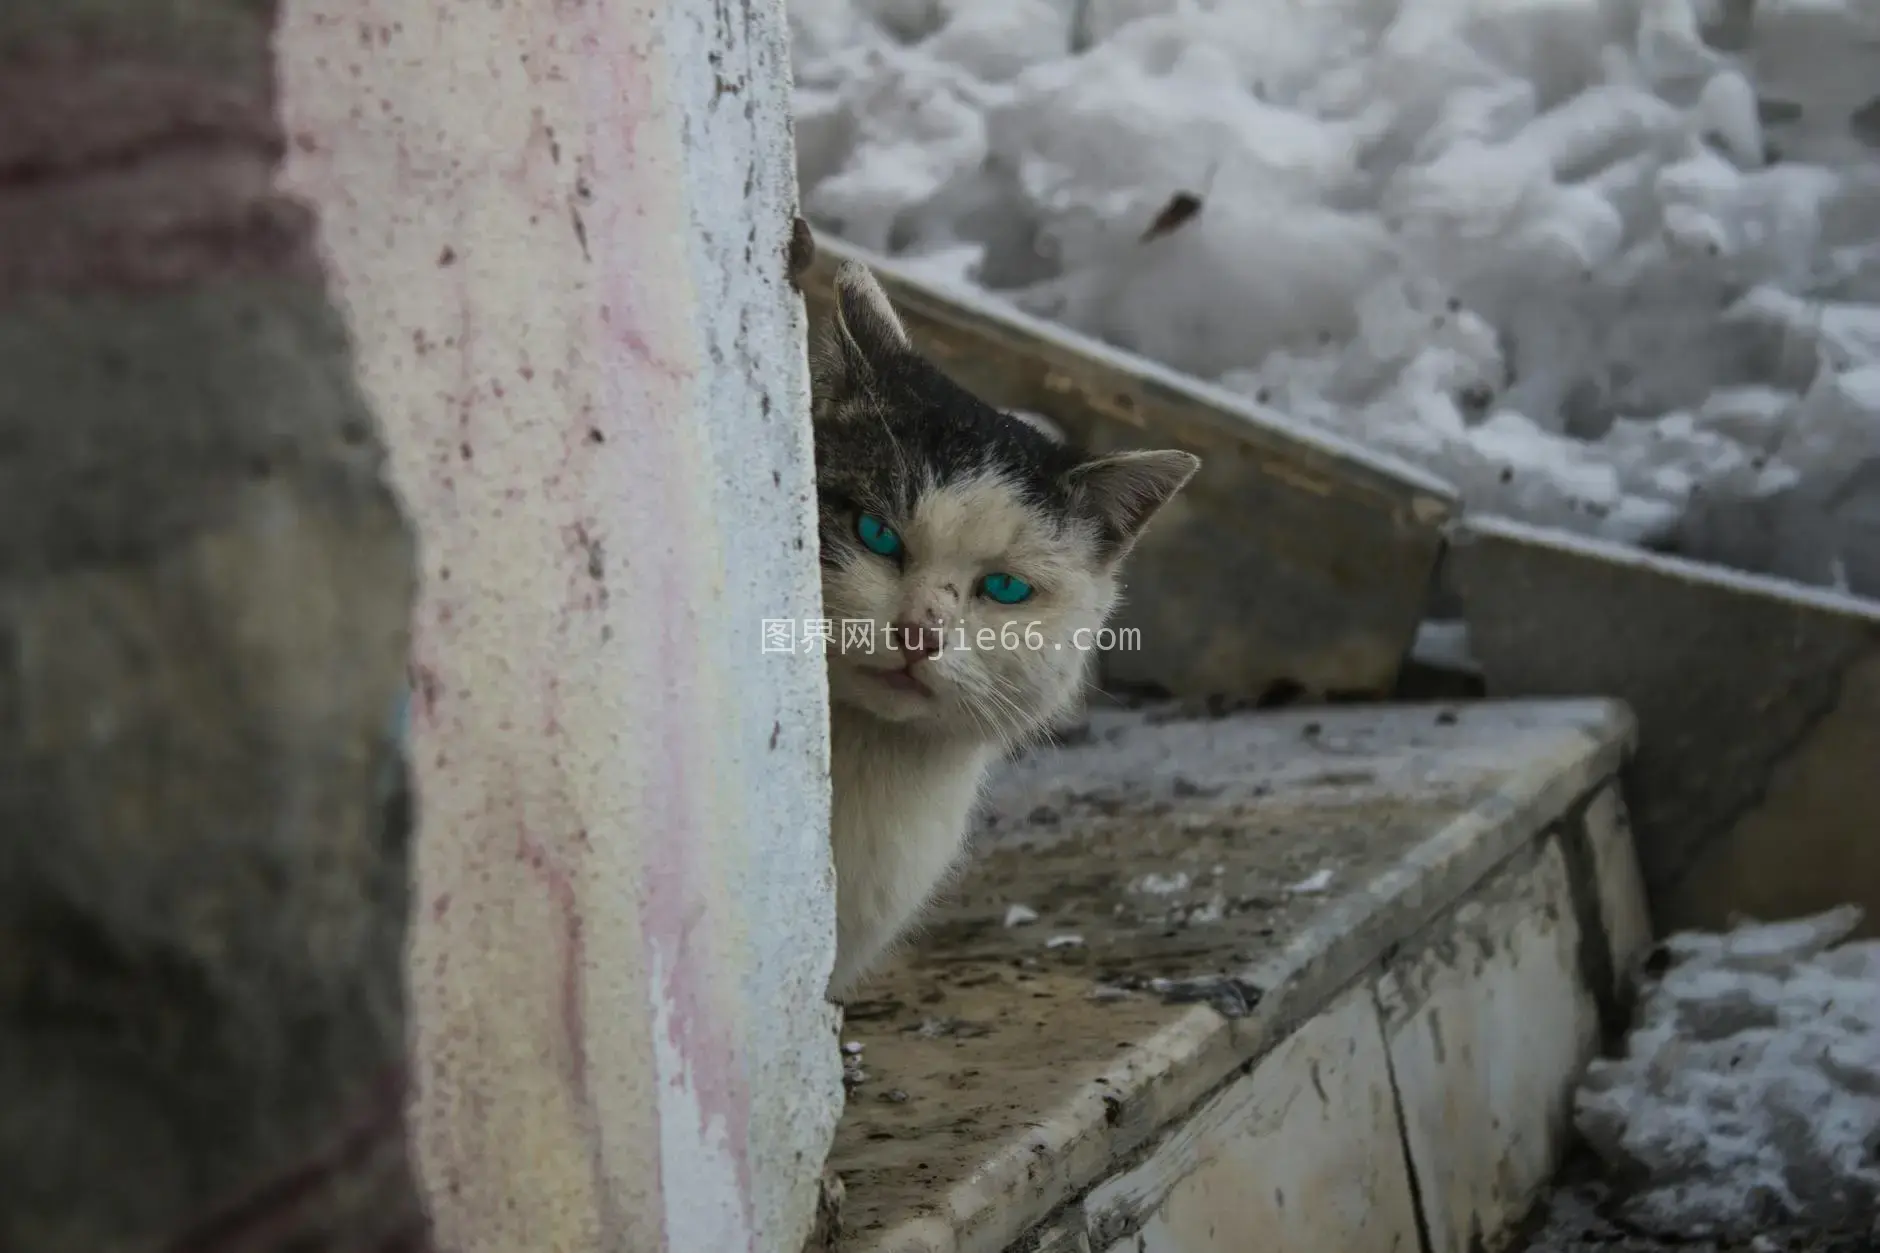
x,y
205,593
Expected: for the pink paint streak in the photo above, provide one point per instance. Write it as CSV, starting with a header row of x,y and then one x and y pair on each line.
x,y
650,392
567,903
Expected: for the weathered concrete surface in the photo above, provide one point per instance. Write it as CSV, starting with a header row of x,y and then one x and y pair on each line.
x,y
1305,1154
1489,1023
1758,704
560,234
1009,1069
1624,906
1328,575
1493,1012
205,585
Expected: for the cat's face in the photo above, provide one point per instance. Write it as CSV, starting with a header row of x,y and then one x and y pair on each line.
x,y
981,553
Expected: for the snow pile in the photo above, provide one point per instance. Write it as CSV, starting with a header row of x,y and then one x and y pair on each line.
x,y
1612,265
1749,1094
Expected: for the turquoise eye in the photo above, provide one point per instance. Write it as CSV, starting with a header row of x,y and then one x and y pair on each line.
x,y
877,536
1007,589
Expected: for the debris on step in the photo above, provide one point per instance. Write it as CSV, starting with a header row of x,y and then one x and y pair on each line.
x,y
1232,995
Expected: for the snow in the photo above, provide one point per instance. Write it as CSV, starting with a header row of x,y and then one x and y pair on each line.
x,y
1020,915
1748,1096
1313,883
1154,884
1444,644
1611,266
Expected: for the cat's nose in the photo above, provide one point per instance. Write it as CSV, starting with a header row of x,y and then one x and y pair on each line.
x,y
920,640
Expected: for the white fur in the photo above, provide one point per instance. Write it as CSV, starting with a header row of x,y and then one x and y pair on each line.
x,y
902,799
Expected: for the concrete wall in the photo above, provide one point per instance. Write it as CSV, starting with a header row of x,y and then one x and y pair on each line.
x,y
559,234
1754,788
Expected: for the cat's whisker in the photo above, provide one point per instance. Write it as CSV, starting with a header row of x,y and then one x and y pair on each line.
x,y
1022,722
990,710
900,454
1021,716
987,724
972,692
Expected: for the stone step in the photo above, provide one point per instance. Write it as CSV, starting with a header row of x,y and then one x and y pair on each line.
x,y
1297,981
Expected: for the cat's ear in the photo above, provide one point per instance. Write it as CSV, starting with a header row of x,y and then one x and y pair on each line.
x,y
1124,490
865,336
864,315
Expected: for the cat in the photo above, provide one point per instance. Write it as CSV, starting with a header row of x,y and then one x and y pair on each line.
x,y
984,552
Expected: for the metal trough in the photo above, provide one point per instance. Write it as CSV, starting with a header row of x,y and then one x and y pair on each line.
x,y
1756,784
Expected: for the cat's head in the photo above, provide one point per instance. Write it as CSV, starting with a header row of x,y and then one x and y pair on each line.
x,y
984,551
